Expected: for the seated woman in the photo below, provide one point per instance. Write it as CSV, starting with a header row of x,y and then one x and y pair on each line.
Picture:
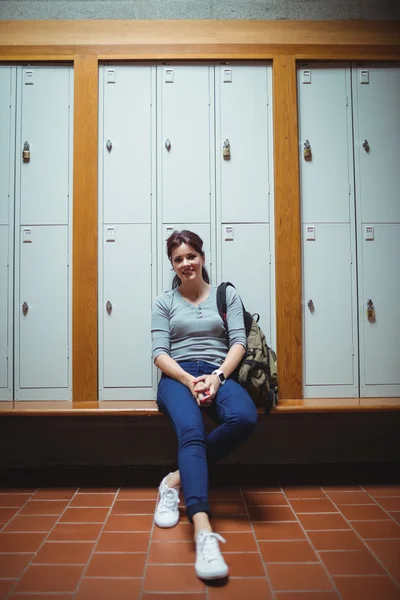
x,y
197,356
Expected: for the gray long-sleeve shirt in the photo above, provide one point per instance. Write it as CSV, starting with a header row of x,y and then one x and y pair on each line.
x,y
187,332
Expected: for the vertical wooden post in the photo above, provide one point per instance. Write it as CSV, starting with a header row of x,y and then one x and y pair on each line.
x,y
287,229
84,256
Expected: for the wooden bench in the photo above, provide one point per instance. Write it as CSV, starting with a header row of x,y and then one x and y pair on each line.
x,y
149,408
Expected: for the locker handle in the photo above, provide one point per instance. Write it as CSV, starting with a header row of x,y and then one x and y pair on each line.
x,y
109,145
109,307
25,308
366,145
168,145
311,306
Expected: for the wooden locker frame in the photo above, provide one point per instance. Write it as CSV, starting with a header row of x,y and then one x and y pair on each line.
x,y
86,43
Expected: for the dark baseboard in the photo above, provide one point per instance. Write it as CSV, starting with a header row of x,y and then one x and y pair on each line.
x,y
220,475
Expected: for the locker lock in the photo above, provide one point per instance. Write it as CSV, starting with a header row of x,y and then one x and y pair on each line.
x,y
226,150
311,306
109,145
109,307
366,145
168,145
307,150
25,308
371,311
26,152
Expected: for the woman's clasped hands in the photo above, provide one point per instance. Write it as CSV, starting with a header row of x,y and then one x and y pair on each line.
x,y
204,389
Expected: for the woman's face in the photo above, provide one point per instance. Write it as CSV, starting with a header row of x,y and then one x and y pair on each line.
x,y
187,263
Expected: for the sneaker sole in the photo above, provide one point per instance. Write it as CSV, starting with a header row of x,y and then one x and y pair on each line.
x,y
209,577
163,526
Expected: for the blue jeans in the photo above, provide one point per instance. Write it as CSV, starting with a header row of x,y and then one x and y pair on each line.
x,y
232,409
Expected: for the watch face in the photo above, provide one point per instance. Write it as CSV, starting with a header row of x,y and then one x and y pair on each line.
x,y
221,377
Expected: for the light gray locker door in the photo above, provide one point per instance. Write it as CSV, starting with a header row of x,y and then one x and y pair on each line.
x,y
127,286
45,126
247,265
7,99
185,140
43,329
7,148
328,312
379,338
324,113
242,122
128,127
167,272
377,127
4,314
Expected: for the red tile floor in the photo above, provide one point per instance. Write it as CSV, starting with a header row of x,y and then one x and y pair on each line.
x,y
283,543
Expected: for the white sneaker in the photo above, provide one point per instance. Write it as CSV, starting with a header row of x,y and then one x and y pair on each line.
x,y
167,511
209,561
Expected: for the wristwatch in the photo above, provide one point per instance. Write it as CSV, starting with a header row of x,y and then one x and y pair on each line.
x,y
220,375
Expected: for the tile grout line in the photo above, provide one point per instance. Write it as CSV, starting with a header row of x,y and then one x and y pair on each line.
x,y
380,506
258,546
397,584
146,562
41,545
74,594
313,547
19,509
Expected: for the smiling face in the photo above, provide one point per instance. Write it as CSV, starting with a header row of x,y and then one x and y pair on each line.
x,y
187,263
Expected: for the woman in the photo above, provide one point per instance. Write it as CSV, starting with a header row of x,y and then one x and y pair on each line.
x,y
197,355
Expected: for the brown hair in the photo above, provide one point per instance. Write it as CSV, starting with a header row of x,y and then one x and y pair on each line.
x,y
176,239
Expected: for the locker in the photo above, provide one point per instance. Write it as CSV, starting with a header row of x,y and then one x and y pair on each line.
x,y
167,272
324,107
42,314
127,197
7,127
127,287
185,142
377,154
242,122
5,297
379,335
249,272
126,142
44,123
330,349
329,365
377,142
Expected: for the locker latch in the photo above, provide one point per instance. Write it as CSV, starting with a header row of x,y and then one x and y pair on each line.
x,y
366,145
370,311
109,307
307,150
311,306
226,150
26,152
25,308
109,145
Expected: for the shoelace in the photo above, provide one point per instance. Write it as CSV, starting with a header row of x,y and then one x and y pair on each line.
x,y
168,500
209,548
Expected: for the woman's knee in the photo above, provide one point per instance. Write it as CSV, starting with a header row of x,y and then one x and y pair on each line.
x,y
244,420
249,419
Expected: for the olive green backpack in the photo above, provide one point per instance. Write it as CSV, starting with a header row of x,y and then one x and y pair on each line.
x,y
257,371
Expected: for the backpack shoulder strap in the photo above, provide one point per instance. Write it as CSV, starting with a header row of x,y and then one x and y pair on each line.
x,y
221,299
